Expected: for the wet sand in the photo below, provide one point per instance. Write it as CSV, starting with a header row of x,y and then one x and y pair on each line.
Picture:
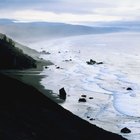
x,y
33,77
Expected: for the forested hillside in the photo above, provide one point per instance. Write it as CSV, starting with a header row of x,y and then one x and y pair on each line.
x,y
12,57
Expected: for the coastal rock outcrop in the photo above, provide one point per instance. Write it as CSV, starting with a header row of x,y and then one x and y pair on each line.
x,y
129,88
62,93
125,130
82,100
83,95
92,62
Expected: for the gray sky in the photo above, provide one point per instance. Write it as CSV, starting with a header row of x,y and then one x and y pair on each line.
x,y
70,11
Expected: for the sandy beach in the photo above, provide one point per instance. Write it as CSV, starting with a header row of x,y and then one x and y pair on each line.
x,y
33,77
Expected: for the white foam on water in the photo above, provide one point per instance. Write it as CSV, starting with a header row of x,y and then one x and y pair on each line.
x,y
113,106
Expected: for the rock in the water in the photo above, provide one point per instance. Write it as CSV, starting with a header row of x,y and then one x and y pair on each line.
x,y
91,119
90,97
44,52
100,63
68,60
62,93
58,67
125,130
82,100
129,88
91,62
84,96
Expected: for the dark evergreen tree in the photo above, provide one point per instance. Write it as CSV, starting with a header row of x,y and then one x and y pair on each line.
x,y
12,57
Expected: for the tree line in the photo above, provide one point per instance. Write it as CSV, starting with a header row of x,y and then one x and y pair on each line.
x,y
12,57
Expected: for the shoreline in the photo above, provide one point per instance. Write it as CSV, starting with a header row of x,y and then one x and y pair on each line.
x,y
28,114
32,77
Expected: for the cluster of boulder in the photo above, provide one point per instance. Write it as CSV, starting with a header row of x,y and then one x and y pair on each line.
x,y
83,98
63,94
92,62
44,52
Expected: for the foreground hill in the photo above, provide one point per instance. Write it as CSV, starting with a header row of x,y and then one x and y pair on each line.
x,y
26,114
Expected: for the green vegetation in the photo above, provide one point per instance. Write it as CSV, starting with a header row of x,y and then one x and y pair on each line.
x,y
12,57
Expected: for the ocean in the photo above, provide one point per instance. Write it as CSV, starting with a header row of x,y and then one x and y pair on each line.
x,y
111,86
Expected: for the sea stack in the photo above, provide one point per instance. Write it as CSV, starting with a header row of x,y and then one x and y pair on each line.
x,y
62,93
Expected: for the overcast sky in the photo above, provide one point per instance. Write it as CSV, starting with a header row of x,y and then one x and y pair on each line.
x,y
70,11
